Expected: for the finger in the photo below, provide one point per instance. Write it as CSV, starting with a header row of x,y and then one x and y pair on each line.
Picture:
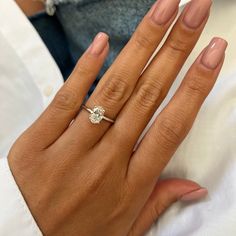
x,y
66,104
164,195
118,82
155,82
175,121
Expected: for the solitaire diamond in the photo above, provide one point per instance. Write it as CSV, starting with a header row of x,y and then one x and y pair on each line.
x,y
97,114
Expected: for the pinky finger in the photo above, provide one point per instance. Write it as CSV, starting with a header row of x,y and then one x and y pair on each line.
x,y
175,121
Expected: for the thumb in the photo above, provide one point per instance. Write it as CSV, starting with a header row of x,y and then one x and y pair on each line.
x,y
165,194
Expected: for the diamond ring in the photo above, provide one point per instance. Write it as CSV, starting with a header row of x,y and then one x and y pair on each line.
x,y
97,114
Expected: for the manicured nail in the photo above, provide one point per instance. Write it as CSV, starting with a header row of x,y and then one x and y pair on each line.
x,y
163,11
214,53
197,12
99,44
194,195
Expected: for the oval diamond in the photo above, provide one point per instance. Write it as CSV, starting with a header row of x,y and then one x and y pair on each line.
x,y
97,115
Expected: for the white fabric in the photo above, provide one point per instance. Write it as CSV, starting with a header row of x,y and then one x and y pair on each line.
x,y
29,79
183,2
29,76
15,217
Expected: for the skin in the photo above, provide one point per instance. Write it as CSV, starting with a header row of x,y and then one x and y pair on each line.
x,y
30,7
84,179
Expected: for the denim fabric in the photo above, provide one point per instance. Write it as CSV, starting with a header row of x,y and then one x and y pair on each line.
x,y
81,21
51,32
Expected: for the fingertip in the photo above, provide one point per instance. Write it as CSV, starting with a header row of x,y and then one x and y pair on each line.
x,y
99,44
194,195
182,189
214,53
211,59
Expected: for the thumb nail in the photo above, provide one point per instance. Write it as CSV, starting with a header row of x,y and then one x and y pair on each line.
x,y
194,195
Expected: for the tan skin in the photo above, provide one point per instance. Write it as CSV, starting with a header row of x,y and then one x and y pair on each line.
x,y
84,179
30,7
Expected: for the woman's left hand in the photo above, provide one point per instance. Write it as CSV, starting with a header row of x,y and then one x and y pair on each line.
x,y
84,179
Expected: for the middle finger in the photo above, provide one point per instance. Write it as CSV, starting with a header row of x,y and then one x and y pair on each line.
x,y
161,73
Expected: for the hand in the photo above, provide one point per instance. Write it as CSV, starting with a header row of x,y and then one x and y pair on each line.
x,y
84,179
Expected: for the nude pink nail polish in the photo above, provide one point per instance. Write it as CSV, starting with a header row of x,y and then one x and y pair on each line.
x,y
196,13
194,195
164,10
214,53
99,43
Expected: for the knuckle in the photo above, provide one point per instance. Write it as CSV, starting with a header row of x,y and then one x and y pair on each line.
x,y
155,213
84,69
158,209
143,40
114,90
197,86
178,47
171,132
65,100
149,94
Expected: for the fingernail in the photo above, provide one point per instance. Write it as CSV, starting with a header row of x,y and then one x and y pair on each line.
x,y
194,195
214,53
197,12
99,43
163,11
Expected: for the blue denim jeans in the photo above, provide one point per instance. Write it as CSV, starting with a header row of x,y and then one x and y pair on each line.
x,y
51,32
